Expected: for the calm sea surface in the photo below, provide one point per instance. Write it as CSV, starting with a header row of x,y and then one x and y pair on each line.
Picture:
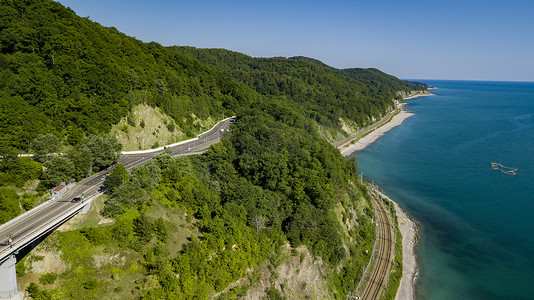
x,y
477,234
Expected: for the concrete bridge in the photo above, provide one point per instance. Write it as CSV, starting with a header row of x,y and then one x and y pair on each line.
x,y
26,230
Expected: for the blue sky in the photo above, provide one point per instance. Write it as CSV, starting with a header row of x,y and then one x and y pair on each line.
x,y
470,39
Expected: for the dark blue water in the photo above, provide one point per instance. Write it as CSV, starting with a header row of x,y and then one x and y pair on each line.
x,y
477,235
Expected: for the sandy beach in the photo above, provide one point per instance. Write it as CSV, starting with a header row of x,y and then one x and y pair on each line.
x,y
409,262
419,95
375,134
406,224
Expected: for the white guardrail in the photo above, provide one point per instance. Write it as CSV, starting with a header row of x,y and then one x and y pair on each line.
x,y
177,143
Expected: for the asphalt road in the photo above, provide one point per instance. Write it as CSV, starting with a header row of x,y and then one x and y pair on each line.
x,y
36,218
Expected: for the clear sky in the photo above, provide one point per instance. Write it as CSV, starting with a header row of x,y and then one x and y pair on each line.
x,y
441,39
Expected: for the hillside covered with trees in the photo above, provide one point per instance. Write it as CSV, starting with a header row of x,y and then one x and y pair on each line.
x,y
192,226
221,224
67,75
319,92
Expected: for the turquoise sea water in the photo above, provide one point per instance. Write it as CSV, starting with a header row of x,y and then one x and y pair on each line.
x,y
477,234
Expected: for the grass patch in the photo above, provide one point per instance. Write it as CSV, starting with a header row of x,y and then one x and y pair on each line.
x,y
93,217
148,127
178,227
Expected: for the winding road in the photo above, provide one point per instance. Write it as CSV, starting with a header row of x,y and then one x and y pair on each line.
x,y
47,216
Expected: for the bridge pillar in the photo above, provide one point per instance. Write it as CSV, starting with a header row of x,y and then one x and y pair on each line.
x,y
8,280
86,208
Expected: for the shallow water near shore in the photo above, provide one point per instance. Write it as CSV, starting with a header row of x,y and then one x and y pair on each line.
x,y
477,234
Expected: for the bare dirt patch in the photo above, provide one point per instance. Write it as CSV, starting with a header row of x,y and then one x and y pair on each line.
x,y
299,277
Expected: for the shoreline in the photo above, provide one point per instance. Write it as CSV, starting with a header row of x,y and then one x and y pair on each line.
x,y
374,135
407,226
410,268
419,95
408,229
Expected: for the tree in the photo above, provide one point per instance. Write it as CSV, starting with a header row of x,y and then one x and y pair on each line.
x,y
36,293
82,158
259,222
44,145
58,169
164,159
148,175
112,207
105,150
29,169
143,228
160,227
48,278
9,205
75,135
16,170
116,178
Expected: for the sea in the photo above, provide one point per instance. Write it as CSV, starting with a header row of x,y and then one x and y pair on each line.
x,y
477,219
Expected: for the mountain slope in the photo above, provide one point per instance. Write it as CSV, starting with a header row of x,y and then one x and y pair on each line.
x,y
64,74
319,92
68,75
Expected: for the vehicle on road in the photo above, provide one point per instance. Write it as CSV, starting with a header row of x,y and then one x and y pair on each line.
x,y
76,200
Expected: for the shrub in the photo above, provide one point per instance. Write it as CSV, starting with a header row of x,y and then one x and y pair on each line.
x,y
27,202
97,235
36,293
90,284
131,120
48,278
170,125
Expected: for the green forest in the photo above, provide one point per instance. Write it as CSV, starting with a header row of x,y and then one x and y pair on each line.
x,y
319,92
70,76
268,185
67,75
273,192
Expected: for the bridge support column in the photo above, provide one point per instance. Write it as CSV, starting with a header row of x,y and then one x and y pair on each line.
x,y
86,208
8,280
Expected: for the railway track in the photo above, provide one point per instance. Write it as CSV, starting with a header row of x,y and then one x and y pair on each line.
x,y
379,274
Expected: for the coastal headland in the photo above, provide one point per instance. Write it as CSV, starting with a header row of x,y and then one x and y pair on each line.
x,y
406,224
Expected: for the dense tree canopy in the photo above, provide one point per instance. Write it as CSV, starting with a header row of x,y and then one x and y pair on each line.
x,y
67,75
9,205
318,91
15,170
272,179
